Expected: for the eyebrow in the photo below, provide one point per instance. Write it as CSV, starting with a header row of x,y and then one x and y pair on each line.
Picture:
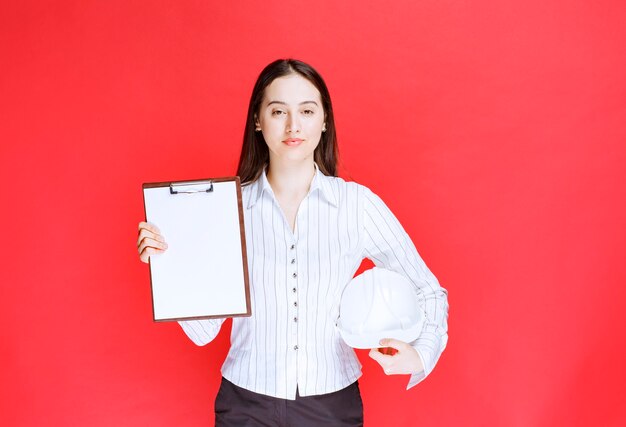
x,y
284,103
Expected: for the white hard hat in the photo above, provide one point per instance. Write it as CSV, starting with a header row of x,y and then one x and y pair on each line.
x,y
379,304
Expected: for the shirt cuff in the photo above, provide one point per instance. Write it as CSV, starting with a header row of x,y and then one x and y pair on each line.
x,y
429,347
417,377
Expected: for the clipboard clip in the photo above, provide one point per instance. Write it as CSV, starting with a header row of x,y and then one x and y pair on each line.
x,y
191,187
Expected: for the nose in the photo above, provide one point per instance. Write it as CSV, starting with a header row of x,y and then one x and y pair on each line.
x,y
293,123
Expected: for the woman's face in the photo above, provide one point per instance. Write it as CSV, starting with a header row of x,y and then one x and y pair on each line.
x,y
291,118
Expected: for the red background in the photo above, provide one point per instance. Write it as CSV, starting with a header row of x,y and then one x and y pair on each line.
x,y
495,131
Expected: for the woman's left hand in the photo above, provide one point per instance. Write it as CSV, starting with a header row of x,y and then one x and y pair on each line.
x,y
406,360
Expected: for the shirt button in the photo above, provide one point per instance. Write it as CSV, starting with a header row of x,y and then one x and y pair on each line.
x,y
295,303
295,319
293,247
293,261
293,290
295,347
295,275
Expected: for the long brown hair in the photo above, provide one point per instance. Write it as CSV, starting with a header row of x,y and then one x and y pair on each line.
x,y
254,152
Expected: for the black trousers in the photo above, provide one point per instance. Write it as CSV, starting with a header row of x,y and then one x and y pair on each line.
x,y
236,406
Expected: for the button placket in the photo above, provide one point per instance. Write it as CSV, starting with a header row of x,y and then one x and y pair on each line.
x,y
294,289
294,267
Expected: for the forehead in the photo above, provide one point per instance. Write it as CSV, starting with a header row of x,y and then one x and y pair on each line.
x,y
291,89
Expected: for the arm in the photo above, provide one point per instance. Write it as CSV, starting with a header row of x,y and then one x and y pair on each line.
x,y
389,246
201,332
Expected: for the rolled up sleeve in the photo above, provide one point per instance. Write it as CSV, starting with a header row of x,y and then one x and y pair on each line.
x,y
201,332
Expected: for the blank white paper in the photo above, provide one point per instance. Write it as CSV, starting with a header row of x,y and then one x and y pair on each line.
x,y
201,273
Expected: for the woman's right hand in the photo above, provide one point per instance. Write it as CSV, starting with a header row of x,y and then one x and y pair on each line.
x,y
149,241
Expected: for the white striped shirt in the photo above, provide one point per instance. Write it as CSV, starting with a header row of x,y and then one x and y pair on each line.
x,y
297,278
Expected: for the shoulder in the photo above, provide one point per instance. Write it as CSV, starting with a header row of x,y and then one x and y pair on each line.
x,y
340,192
250,192
341,187
351,194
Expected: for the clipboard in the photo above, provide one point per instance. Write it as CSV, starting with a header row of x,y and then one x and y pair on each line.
x,y
204,272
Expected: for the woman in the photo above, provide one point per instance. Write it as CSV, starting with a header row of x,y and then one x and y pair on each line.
x,y
307,232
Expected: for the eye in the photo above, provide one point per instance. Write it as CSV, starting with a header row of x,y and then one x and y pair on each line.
x,y
308,112
277,112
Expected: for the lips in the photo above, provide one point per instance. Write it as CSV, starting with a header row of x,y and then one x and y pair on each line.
x,y
293,142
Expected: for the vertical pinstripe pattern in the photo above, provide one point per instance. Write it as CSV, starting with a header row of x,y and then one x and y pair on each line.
x,y
296,283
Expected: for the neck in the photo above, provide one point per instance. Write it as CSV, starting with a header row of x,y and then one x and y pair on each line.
x,y
291,179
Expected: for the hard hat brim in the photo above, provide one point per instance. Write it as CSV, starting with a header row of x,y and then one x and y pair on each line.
x,y
372,340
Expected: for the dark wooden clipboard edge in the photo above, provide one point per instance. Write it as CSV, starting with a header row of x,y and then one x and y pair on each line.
x,y
244,252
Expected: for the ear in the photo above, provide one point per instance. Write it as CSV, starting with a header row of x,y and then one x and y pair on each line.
x,y
257,124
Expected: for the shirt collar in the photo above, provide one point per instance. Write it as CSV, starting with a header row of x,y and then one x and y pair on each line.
x,y
320,183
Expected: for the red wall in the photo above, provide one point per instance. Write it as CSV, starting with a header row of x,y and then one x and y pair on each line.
x,y
494,130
